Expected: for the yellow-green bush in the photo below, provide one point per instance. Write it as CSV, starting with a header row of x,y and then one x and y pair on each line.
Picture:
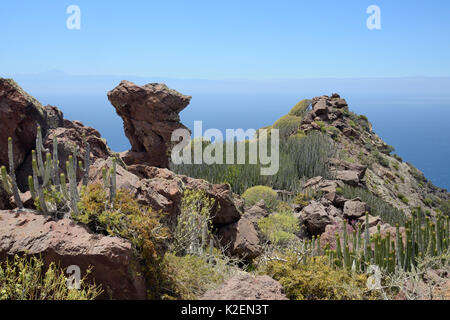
x,y
26,278
256,193
317,280
302,199
297,137
188,277
287,125
300,108
279,228
283,206
129,220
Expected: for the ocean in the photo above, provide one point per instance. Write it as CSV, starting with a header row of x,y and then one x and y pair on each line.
x,y
416,127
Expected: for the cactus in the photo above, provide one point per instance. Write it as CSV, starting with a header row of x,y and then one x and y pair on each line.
x,y
9,180
87,163
46,180
109,181
389,253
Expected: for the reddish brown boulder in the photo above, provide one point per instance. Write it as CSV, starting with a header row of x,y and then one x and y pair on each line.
x,y
241,239
349,177
340,165
258,211
320,109
66,243
247,287
355,208
162,190
373,221
315,218
20,115
227,209
69,136
150,115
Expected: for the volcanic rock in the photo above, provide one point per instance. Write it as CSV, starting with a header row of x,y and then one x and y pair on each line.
x,y
241,239
66,243
20,115
355,208
247,287
150,115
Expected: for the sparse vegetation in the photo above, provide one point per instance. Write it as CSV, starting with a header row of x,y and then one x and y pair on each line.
x,y
279,228
129,220
317,280
256,193
287,125
301,108
403,198
301,157
27,278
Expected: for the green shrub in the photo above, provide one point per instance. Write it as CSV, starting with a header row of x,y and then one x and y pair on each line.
x,y
298,136
317,280
363,118
256,193
428,201
279,228
386,149
301,108
395,165
419,176
283,206
403,198
287,125
129,220
302,199
26,278
187,277
321,125
333,132
397,157
381,159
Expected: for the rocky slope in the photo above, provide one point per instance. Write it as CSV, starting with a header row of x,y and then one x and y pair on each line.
x,y
150,115
386,175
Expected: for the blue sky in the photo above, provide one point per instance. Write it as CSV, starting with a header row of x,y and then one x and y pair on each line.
x,y
227,39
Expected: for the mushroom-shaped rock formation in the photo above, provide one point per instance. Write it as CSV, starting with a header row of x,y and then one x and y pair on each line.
x,y
150,115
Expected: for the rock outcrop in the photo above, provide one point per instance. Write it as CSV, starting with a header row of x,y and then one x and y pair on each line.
x,y
66,243
68,136
241,239
20,115
315,217
355,208
5,199
162,190
247,287
150,115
